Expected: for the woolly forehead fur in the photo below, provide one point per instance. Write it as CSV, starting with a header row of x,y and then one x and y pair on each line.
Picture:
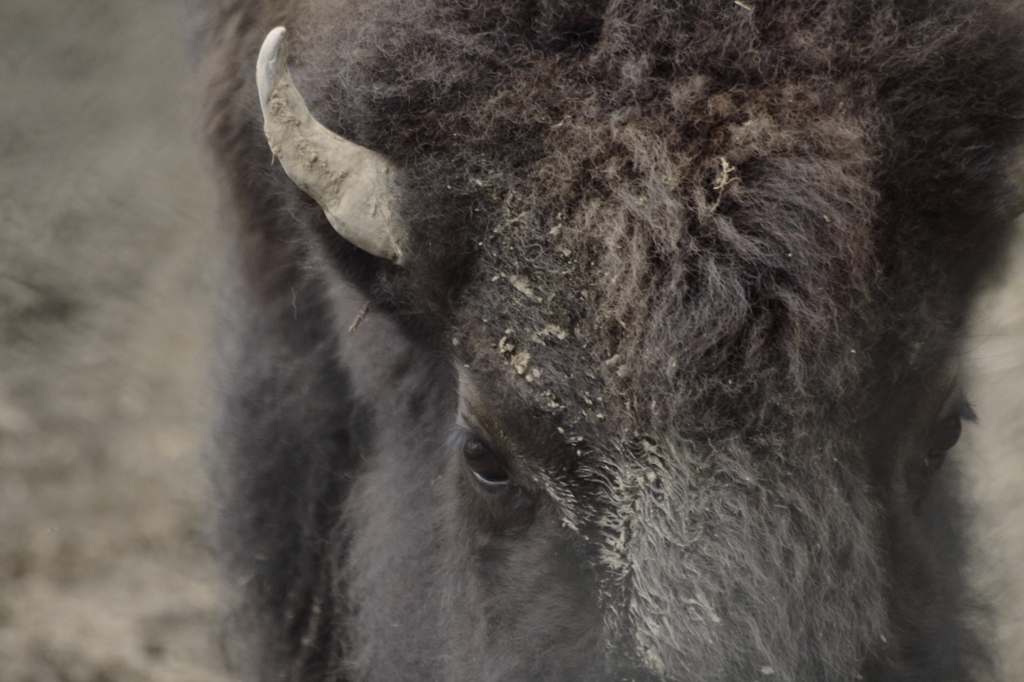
x,y
706,202
687,242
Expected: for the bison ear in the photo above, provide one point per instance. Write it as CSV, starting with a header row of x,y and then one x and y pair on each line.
x,y
351,183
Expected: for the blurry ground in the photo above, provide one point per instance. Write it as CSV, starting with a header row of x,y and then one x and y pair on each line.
x,y
106,259
994,457
106,256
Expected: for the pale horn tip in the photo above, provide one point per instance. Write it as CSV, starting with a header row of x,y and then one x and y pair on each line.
x,y
271,63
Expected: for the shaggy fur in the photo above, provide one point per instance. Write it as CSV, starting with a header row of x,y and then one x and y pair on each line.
x,y
701,267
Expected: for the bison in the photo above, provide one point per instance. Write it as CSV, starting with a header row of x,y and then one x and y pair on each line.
x,y
604,340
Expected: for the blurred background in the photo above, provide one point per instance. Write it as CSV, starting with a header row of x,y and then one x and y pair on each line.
x,y
108,256
108,266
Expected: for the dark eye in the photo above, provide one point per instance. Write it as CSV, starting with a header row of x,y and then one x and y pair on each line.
x,y
944,437
484,464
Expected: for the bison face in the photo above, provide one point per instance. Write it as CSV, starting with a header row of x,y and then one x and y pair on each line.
x,y
659,383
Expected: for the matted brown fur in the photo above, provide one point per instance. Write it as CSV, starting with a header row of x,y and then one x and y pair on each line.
x,y
703,267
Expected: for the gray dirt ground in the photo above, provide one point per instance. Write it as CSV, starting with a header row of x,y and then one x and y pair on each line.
x,y
106,260
107,257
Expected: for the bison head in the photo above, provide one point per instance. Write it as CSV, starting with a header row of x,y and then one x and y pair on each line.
x,y
668,304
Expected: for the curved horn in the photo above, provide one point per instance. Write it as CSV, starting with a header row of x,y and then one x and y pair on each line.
x,y
348,181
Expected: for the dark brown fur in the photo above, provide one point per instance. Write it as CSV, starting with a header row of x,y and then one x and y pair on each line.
x,y
702,268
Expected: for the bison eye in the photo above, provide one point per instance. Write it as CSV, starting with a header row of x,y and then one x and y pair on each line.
x,y
485,465
947,433
944,437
